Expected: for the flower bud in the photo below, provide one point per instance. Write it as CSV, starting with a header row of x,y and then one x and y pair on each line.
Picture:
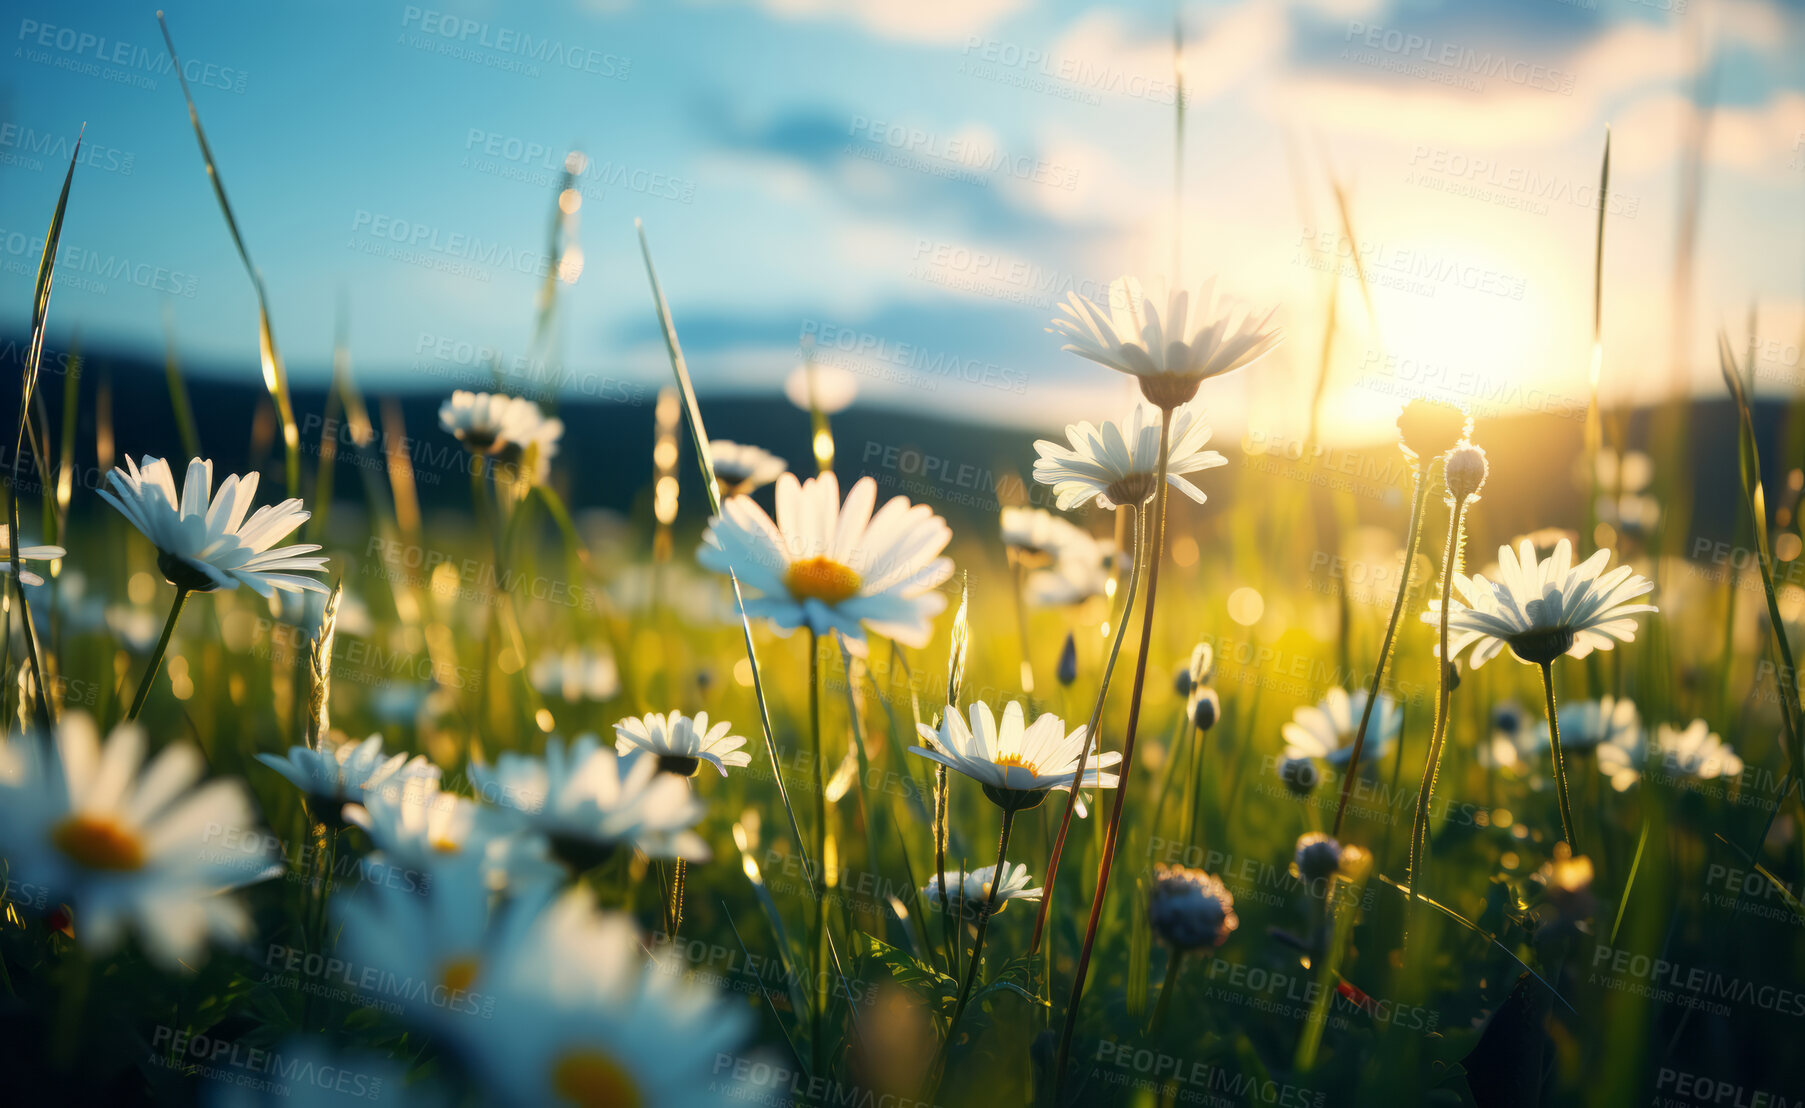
x,y
1465,471
1068,661
1318,856
1427,428
1190,909
1299,774
1206,708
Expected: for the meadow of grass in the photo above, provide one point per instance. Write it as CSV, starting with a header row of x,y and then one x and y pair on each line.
x,y
1492,969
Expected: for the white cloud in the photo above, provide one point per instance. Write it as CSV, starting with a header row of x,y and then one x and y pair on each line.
x,y
924,21
1765,141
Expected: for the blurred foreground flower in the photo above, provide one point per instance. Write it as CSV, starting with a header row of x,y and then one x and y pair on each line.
x,y
341,773
833,567
493,423
423,835
588,801
26,554
742,470
577,674
125,843
205,542
1117,465
1172,355
1696,752
1588,724
1325,731
1035,538
582,1016
681,744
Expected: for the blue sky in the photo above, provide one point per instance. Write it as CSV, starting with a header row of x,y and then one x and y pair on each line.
x,y
916,185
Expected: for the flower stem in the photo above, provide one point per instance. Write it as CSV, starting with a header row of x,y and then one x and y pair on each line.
x,y
1391,629
1560,766
997,878
1110,838
820,877
1090,735
1419,833
947,927
676,908
156,656
1165,991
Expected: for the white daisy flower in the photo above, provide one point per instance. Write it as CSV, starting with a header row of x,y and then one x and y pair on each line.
x,y
1512,744
204,542
341,773
582,1016
1017,763
1119,464
831,388
1586,724
588,801
1035,537
438,954
1173,354
1696,753
741,470
126,843
681,744
970,892
26,554
1326,730
1622,757
1081,571
576,674
1543,609
491,422
834,567
422,835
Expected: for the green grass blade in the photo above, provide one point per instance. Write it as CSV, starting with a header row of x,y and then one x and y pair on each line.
x,y
40,310
275,374
699,435
178,394
1755,501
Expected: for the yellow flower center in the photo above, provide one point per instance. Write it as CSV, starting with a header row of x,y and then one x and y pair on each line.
x,y
822,579
1008,760
589,1077
97,842
458,974
445,845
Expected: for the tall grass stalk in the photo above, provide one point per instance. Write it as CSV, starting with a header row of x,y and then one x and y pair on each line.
x,y
1412,539
40,312
1091,735
1112,836
1419,832
275,373
699,438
